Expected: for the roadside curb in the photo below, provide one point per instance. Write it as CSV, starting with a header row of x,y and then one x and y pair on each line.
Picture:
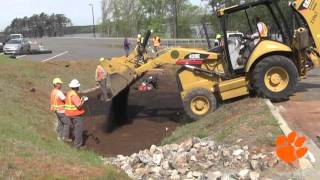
x,y
310,164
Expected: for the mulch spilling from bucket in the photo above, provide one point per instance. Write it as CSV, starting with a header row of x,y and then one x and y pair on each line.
x,y
148,118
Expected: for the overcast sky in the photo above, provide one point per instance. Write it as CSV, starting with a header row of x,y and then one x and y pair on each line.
x,y
78,10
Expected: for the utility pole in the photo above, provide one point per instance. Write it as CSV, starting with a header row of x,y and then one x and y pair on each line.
x,y
175,18
94,26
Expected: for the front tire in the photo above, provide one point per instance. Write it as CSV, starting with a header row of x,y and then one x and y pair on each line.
x,y
199,103
275,77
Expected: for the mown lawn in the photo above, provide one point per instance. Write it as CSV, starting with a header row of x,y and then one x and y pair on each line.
x,y
248,119
29,149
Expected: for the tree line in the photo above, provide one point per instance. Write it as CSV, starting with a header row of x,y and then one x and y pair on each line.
x,y
40,25
129,17
170,18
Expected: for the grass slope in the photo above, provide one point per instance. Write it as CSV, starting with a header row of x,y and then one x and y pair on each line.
x,y
29,149
248,119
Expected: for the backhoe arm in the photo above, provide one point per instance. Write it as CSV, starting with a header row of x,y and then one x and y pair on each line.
x,y
122,72
309,10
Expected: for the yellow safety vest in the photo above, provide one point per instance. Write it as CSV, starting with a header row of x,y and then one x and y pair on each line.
x,y
71,109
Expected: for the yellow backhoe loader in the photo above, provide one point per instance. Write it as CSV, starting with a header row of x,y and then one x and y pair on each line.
x,y
271,66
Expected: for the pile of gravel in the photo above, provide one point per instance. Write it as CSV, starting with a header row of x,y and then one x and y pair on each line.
x,y
195,159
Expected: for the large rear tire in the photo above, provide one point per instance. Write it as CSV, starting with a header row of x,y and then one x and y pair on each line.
x,y
199,103
275,77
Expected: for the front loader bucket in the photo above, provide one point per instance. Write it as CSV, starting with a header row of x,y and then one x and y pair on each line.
x,y
119,77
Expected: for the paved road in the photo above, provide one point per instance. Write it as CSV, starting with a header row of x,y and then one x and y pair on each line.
x,y
302,112
75,49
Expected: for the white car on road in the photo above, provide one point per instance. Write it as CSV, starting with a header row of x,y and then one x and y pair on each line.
x,y
17,46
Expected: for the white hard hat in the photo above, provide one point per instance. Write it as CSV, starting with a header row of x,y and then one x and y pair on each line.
x,y
74,84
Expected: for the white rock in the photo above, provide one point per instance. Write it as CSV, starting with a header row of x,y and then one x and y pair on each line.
x,y
255,164
174,147
197,145
196,174
140,172
193,151
180,161
205,165
226,177
210,156
165,165
243,174
193,158
189,175
183,170
204,144
186,145
121,158
254,175
246,148
256,156
239,140
237,152
214,175
175,177
225,152
145,158
211,143
153,148
157,158
174,172
156,170
128,170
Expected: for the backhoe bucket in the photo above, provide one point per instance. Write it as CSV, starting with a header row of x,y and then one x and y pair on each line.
x,y
119,76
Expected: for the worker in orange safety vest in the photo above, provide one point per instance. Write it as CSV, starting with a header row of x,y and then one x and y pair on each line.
x,y
262,30
75,111
103,82
156,43
57,101
256,38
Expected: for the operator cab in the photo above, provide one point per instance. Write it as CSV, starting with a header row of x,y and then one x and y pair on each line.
x,y
242,19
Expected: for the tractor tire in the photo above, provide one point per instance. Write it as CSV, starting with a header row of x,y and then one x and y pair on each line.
x,y
275,77
199,102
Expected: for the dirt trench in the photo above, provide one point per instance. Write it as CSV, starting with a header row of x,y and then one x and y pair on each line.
x,y
150,117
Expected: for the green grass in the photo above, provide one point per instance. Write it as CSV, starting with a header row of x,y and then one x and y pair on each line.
x,y
247,119
29,147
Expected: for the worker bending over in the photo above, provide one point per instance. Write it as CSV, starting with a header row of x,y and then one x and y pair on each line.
x,y
75,111
101,79
57,101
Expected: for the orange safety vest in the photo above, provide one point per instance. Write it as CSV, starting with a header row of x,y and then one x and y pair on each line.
x,y
264,32
71,108
100,73
156,41
56,103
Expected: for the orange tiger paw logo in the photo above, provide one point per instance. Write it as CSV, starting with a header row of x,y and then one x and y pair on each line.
x,y
290,148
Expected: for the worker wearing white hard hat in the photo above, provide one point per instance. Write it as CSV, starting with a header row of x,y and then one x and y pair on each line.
x,y
75,111
57,101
